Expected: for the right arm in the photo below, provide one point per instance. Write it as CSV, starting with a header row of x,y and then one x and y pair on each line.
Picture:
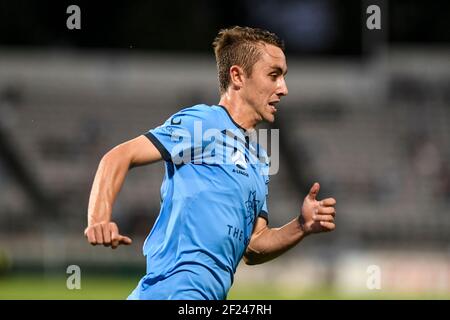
x,y
108,181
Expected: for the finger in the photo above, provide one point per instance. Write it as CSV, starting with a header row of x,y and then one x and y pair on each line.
x,y
328,202
322,217
90,234
125,240
115,237
98,234
314,191
329,226
106,235
327,210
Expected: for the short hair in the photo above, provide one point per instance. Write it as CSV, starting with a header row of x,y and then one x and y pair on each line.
x,y
240,46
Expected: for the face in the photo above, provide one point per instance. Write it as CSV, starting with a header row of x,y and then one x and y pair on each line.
x,y
263,89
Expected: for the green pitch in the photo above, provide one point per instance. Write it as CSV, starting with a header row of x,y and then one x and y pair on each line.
x,y
37,287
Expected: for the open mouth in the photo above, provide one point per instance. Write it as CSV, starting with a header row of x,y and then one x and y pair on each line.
x,y
272,105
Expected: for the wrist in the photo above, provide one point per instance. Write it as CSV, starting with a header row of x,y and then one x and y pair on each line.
x,y
94,221
302,225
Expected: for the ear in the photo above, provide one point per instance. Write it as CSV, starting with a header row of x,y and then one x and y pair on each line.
x,y
237,76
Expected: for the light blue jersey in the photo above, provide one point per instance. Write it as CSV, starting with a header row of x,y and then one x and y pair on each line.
x,y
214,188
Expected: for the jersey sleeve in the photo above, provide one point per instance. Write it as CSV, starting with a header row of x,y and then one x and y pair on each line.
x,y
264,212
175,138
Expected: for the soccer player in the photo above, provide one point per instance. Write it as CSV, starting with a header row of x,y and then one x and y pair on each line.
x,y
213,197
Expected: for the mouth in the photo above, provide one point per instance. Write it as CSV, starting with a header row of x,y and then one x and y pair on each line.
x,y
272,105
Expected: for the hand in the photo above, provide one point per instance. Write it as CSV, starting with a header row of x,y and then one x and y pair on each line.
x,y
106,233
317,216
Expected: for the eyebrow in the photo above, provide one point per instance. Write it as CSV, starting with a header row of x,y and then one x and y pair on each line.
x,y
279,70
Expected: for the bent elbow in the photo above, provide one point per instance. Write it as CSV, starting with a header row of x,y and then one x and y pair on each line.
x,y
248,261
253,261
252,258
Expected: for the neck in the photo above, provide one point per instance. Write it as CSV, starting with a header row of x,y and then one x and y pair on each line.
x,y
242,113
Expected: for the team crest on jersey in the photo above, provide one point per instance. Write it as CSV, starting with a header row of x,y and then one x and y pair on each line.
x,y
239,160
252,207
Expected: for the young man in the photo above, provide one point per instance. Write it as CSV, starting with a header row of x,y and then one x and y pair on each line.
x,y
213,209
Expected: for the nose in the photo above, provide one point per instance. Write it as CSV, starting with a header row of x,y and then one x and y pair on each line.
x,y
282,89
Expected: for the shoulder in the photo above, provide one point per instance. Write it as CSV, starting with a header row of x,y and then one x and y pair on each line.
x,y
205,115
202,111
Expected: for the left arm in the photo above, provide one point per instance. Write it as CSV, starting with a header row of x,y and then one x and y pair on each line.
x,y
268,243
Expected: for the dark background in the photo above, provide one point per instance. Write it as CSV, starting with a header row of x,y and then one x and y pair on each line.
x,y
318,27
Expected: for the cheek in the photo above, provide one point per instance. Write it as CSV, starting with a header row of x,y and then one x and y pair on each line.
x,y
255,93
264,90
260,91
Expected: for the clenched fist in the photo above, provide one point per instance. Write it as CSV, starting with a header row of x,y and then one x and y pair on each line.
x,y
106,233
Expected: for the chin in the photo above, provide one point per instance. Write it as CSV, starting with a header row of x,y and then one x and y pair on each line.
x,y
269,118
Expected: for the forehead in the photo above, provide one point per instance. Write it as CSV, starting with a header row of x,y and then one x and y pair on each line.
x,y
272,56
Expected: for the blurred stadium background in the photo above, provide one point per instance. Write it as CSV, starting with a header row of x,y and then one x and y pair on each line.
x,y
368,116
